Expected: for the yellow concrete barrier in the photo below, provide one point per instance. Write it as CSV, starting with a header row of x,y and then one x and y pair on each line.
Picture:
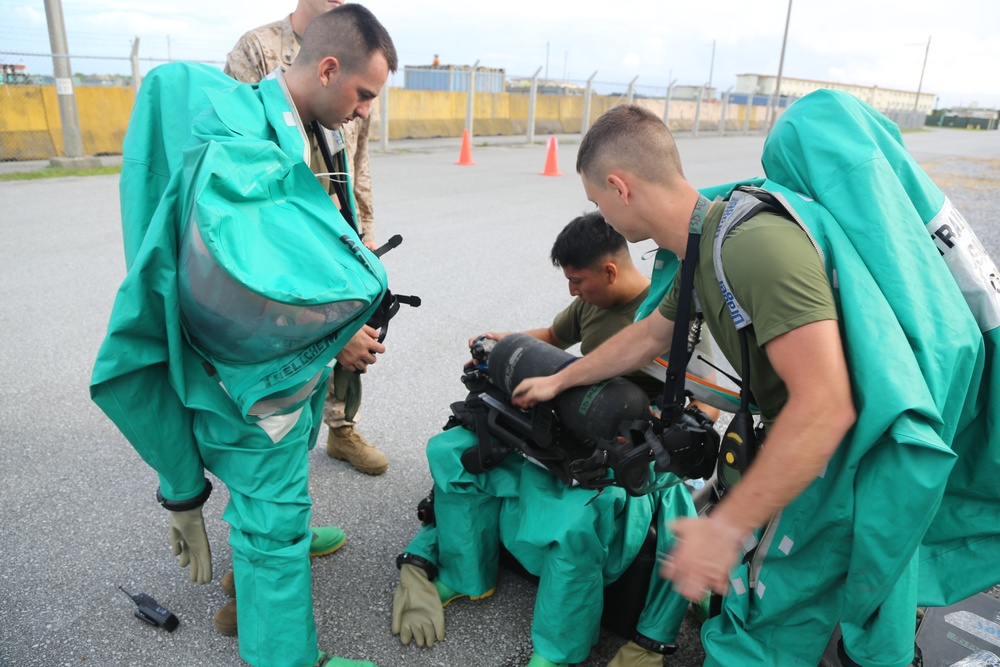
x,y
30,128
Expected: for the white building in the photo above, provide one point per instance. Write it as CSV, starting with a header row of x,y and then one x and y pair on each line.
x,y
880,98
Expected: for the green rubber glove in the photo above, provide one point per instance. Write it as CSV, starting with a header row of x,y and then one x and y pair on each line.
x,y
417,612
189,541
633,655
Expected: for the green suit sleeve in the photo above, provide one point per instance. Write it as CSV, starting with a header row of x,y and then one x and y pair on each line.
x,y
132,380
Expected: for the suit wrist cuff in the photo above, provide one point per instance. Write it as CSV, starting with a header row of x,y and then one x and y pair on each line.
x,y
185,505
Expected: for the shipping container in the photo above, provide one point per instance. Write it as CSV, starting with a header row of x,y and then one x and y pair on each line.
x,y
453,78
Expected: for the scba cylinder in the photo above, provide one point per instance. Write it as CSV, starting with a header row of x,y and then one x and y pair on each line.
x,y
592,412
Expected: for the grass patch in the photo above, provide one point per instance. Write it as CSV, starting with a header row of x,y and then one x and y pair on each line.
x,y
57,172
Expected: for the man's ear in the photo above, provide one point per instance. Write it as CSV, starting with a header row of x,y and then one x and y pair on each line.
x,y
610,270
619,184
328,69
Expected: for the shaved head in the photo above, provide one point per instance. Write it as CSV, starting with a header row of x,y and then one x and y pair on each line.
x,y
633,139
349,33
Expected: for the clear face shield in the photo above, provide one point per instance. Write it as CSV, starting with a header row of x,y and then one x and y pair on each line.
x,y
233,323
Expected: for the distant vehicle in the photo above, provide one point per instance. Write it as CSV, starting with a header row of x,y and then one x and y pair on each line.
x,y
13,74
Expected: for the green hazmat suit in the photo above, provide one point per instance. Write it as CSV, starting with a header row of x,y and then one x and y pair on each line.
x,y
575,541
243,282
905,512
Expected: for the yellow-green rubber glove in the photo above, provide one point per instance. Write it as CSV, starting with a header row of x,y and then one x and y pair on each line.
x,y
417,612
189,541
633,655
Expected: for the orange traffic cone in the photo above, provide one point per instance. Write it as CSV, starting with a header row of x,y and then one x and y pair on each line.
x,y
465,156
552,159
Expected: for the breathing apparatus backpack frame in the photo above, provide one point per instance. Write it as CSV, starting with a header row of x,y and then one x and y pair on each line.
x,y
583,434
560,435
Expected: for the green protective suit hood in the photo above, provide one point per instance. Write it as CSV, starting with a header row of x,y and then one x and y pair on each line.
x,y
915,479
241,270
876,185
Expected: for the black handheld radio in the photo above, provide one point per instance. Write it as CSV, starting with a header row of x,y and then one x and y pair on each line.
x,y
151,612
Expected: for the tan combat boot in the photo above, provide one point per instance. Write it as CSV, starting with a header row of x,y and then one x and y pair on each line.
x,y
225,619
325,540
346,444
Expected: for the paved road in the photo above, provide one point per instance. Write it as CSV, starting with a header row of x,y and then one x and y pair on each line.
x,y
77,515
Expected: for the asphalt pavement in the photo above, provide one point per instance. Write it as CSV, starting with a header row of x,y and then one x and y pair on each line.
x,y
77,513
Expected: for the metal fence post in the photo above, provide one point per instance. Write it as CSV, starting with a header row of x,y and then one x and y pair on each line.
x,y
383,119
136,76
532,102
471,104
722,114
697,112
72,141
746,118
586,104
666,103
631,90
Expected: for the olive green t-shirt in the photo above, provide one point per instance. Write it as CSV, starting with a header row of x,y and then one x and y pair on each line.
x,y
585,323
777,276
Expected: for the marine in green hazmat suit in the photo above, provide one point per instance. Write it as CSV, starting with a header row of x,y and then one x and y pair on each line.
x,y
853,510
243,283
575,541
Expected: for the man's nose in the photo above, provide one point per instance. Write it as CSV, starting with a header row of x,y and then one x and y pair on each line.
x,y
363,110
573,291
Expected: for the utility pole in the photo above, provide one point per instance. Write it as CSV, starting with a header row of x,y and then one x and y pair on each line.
x,y
916,102
72,140
781,66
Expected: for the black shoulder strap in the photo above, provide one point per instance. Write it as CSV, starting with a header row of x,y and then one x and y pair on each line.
x,y
333,166
673,387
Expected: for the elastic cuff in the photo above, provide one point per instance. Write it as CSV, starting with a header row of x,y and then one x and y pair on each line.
x,y
652,645
424,564
185,505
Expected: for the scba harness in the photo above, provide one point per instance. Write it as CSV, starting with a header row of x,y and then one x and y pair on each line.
x,y
560,436
592,436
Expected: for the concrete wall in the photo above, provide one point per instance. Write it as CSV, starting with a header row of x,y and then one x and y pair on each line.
x,y
415,114
30,128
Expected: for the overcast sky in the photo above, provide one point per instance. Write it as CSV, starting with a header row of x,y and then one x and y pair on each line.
x,y
868,42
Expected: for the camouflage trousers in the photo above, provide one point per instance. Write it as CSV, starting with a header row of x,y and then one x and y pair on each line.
x,y
343,398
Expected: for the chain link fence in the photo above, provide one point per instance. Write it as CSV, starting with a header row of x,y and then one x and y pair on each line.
x,y
31,124
436,101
